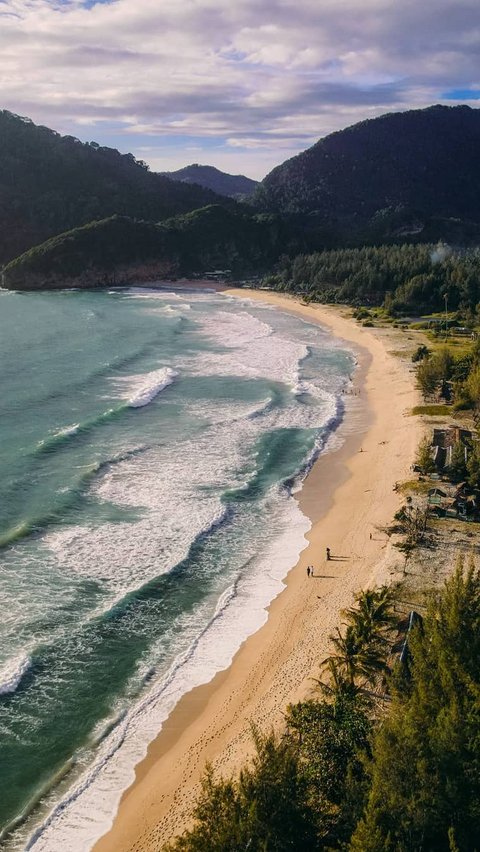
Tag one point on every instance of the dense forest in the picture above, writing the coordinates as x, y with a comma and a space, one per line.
404, 279
408, 177
411, 175
395, 769
119, 250
51, 183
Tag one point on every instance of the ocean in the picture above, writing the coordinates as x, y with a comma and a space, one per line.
151, 446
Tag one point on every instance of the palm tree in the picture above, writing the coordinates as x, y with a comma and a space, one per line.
354, 658
373, 616
338, 684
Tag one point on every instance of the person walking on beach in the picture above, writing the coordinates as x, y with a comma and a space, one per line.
308, 571
328, 554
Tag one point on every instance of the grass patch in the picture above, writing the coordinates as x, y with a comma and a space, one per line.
437, 410
415, 486
401, 353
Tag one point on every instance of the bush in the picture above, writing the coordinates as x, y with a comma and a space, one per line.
420, 353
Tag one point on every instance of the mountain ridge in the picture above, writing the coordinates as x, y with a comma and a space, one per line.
383, 177
233, 186
51, 183
120, 250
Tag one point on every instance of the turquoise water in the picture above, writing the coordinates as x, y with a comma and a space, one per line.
149, 446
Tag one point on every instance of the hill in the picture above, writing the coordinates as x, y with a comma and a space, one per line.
235, 186
121, 250
404, 176
51, 183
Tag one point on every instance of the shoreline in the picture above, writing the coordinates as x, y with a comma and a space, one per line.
274, 666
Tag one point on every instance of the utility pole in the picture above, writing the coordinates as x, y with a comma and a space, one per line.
446, 315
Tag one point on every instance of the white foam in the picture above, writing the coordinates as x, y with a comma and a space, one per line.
87, 812
251, 349
12, 673
68, 430
151, 385
167, 486
179, 492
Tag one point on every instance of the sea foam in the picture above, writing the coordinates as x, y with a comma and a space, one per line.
12, 673
151, 385
180, 495
87, 811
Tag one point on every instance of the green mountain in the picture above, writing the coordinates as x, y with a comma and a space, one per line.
51, 183
121, 250
235, 186
404, 176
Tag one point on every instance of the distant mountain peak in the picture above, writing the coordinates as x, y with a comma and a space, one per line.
209, 177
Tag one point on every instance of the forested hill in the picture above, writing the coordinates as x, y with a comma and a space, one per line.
51, 183
388, 178
236, 186
120, 250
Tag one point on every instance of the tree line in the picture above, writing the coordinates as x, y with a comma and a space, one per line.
385, 759
402, 278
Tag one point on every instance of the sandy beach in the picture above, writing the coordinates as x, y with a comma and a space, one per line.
349, 495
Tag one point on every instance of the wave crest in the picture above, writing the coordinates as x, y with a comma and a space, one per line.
152, 385
12, 673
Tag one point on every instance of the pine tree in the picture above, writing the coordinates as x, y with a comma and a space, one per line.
425, 773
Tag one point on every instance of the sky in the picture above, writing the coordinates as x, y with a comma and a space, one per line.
239, 84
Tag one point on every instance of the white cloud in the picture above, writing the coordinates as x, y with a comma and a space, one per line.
278, 73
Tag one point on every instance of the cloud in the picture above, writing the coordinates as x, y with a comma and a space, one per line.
263, 79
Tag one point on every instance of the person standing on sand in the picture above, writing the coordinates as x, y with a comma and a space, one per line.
308, 571
328, 554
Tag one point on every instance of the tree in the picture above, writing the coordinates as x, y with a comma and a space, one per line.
458, 463
373, 616
265, 810
472, 386
358, 660
428, 377
423, 456
331, 738
425, 769
473, 465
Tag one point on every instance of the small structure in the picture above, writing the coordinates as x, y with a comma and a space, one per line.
217, 275
435, 496
443, 442
459, 501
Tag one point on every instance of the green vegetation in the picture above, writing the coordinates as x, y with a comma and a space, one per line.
420, 353
432, 410
425, 770
119, 249
348, 775
401, 278
329, 197
51, 183
455, 378
374, 183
